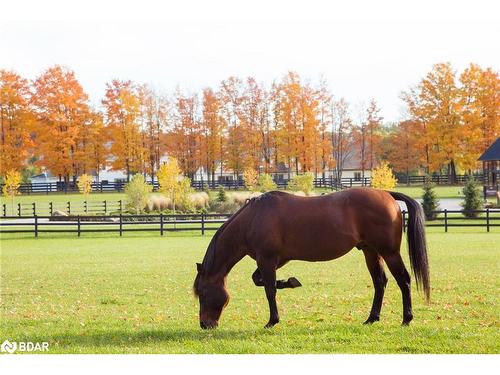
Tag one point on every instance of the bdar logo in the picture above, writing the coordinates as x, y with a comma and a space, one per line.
9, 347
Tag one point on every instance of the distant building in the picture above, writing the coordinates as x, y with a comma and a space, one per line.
491, 168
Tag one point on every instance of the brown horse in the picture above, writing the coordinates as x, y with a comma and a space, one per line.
278, 227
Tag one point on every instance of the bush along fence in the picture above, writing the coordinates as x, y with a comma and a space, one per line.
103, 207
161, 223
236, 184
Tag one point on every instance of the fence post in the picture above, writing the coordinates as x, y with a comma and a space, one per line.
78, 221
4, 208
121, 207
19, 209
34, 208
161, 223
36, 226
121, 225
51, 208
85, 205
105, 207
487, 219
202, 224
404, 221
445, 220
69, 207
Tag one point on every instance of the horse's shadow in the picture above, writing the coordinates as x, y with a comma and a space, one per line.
121, 338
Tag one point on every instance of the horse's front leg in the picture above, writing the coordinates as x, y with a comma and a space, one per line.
267, 268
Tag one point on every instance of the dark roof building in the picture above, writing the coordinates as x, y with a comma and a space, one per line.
491, 168
492, 153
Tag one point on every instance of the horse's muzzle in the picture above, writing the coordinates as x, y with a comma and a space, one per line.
208, 325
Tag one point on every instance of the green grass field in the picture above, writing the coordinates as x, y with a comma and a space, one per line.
105, 294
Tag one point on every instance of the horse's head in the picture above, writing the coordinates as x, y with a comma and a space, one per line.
213, 297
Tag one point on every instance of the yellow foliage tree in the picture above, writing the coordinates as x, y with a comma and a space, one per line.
85, 184
250, 176
173, 185
383, 178
11, 186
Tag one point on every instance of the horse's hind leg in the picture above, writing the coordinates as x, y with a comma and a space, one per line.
398, 270
376, 267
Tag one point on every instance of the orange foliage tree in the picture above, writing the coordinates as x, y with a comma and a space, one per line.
62, 111
16, 121
122, 106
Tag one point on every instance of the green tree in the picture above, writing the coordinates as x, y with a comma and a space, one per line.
429, 200
304, 183
221, 195
137, 191
266, 183
472, 198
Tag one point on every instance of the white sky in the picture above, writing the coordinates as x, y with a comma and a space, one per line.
365, 49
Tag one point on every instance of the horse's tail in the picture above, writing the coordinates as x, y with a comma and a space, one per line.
417, 245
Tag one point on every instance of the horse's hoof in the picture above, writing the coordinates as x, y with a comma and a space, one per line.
407, 320
293, 282
372, 320
270, 325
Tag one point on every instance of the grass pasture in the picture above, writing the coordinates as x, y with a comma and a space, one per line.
105, 294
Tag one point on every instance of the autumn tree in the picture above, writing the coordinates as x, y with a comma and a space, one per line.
383, 178
122, 106
323, 146
16, 121
295, 109
480, 112
436, 102
154, 110
85, 184
236, 151
403, 147
62, 109
184, 136
212, 133
175, 186
342, 136
254, 118
11, 186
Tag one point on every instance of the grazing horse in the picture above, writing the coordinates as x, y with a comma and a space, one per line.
278, 227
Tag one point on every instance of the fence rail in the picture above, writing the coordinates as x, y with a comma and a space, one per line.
114, 223
103, 207
162, 224
236, 184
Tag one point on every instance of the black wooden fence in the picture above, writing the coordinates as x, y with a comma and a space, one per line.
162, 224
236, 184
103, 207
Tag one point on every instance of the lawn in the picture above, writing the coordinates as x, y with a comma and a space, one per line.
441, 191
105, 294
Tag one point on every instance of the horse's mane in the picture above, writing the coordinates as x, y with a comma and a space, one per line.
209, 258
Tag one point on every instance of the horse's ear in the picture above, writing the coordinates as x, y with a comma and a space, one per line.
199, 268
